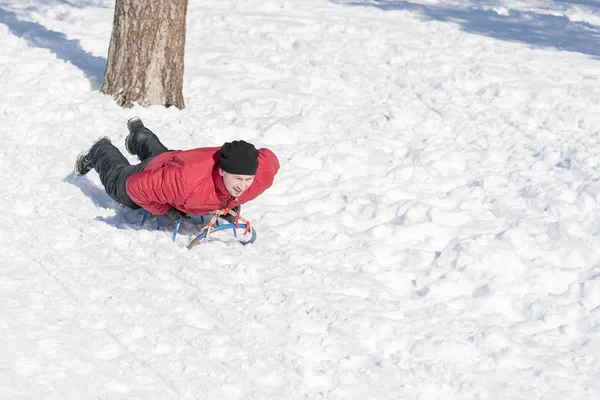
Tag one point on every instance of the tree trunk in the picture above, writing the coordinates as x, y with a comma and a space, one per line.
145, 57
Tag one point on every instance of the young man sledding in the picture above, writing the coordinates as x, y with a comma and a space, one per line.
199, 181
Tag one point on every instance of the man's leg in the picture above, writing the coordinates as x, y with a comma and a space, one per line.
114, 169
142, 142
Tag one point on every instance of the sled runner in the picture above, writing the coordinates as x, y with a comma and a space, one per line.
198, 239
213, 225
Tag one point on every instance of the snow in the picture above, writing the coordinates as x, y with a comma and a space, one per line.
433, 231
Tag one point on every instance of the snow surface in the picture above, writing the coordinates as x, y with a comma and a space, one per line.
432, 234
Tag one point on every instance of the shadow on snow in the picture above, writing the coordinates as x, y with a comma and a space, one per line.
78, 3
588, 3
125, 218
543, 30
65, 49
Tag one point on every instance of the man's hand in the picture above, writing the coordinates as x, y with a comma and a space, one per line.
229, 217
174, 213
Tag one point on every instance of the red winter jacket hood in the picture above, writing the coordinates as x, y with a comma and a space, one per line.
189, 180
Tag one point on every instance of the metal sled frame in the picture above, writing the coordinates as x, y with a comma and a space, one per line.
217, 227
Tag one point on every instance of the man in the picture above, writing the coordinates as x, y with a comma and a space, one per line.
179, 182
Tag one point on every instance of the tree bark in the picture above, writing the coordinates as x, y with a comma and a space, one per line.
145, 57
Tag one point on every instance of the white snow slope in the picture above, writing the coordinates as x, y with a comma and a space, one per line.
433, 232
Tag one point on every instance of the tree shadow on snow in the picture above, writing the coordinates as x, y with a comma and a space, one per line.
65, 49
587, 3
543, 30
78, 3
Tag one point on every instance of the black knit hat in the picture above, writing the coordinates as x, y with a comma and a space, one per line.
239, 157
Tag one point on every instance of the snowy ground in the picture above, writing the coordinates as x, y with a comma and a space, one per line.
433, 232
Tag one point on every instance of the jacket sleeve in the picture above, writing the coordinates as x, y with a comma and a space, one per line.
268, 166
157, 190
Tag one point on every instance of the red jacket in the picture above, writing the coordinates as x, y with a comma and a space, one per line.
189, 181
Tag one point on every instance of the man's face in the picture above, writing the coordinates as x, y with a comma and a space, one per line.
236, 184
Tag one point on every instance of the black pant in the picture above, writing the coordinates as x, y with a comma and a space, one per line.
114, 169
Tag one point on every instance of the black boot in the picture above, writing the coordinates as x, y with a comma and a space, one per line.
134, 125
83, 164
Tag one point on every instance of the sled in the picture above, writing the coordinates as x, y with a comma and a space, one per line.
201, 236
248, 230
